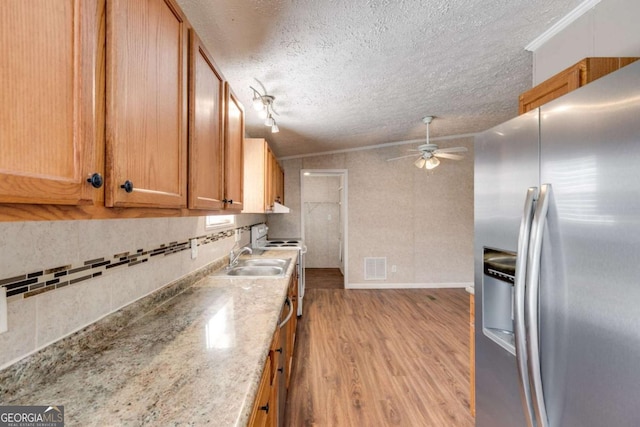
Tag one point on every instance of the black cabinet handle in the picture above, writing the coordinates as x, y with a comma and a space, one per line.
95, 180
279, 350
230, 201
265, 408
128, 186
280, 370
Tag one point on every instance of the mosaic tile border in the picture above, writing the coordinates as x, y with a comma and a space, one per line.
48, 279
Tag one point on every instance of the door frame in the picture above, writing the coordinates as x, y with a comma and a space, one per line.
344, 211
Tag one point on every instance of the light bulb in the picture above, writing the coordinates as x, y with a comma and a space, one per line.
274, 127
258, 104
420, 162
263, 114
432, 163
269, 121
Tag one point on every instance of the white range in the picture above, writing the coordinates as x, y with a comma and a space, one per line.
259, 240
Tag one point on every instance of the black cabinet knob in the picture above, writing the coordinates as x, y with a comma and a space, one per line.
95, 180
128, 186
279, 350
265, 408
280, 370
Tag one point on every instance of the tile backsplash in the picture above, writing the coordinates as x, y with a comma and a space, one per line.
65, 275
47, 279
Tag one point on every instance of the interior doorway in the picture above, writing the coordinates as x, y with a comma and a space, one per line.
323, 194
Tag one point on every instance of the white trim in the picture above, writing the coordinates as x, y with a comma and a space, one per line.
373, 147
563, 23
379, 285
344, 173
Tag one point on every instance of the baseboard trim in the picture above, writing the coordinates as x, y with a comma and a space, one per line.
378, 285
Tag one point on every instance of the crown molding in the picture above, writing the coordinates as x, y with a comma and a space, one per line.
563, 23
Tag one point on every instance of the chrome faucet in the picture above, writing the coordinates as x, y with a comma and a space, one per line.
233, 257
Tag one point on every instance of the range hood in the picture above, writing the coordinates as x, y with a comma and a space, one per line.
278, 208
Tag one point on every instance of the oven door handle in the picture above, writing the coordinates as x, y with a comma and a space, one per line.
286, 319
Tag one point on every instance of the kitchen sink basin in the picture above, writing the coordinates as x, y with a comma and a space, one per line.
257, 267
255, 271
264, 262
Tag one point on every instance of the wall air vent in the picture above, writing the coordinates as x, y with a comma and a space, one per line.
375, 268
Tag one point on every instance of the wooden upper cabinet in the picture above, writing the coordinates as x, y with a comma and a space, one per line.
263, 177
206, 129
572, 78
279, 187
48, 114
233, 151
146, 123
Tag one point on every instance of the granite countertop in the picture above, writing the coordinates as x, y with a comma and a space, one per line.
193, 359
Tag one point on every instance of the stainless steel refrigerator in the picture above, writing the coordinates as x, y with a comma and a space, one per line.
557, 261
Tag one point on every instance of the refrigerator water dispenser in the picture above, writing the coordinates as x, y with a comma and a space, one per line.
497, 297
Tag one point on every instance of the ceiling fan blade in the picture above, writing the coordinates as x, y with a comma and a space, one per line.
403, 157
452, 150
448, 156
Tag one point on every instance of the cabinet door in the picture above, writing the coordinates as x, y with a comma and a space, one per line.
146, 104
292, 325
233, 142
269, 190
263, 405
279, 184
206, 120
49, 83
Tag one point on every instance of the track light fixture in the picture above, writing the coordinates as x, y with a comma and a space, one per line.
264, 105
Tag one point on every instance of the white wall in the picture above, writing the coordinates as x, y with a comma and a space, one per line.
422, 222
608, 29
27, 247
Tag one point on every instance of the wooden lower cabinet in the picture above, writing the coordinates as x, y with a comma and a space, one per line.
268, 408
292, 325
263, 408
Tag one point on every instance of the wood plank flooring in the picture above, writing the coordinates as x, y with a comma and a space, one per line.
323, 278
382, 358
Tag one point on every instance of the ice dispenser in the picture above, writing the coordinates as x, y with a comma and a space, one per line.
497, 297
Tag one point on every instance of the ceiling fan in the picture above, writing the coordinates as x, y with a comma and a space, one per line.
428, 154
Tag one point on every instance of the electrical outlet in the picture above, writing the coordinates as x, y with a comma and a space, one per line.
3, 310
238, 235
194, 248
329, 217
394, 269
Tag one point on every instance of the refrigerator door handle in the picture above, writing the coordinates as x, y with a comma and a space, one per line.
519, 304
531, 307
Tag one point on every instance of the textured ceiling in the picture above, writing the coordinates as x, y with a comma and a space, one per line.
354, 73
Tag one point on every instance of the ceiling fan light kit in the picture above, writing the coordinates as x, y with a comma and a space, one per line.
263, 104
429, 154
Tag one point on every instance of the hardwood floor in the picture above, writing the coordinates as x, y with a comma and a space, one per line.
323, 278
382, 358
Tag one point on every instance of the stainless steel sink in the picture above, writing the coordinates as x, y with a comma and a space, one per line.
255, 271
266, 262
257, 267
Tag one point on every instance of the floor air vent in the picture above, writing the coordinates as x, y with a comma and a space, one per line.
375, 268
